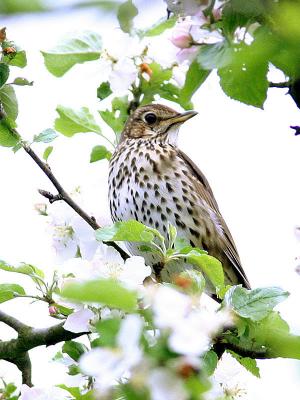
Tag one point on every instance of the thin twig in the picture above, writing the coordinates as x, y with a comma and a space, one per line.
279, 85
64, 196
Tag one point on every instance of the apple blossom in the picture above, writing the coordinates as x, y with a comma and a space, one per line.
79, 321
107, 263
166, 385
108, 365
36, 393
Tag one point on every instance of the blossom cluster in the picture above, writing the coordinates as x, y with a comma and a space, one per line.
158, 348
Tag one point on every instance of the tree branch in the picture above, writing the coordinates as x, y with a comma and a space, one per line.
63, 195
14, 323
16, 350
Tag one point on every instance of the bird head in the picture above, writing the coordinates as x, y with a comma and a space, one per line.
155, 121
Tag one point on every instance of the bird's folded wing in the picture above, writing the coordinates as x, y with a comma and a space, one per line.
207, 195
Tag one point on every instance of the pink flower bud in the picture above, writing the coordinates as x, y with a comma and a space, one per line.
182, 39
52, 310
41, 208
217, 13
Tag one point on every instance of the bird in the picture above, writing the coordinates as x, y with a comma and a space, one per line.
154, 182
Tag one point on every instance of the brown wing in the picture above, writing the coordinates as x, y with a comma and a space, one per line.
207, 195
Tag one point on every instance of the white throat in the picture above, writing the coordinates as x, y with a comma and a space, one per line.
172, 135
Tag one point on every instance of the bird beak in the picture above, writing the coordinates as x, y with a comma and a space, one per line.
181, 118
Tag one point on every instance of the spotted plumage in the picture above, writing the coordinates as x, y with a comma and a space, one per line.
153, 181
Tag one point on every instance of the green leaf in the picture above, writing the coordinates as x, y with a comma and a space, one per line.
210, 361
108, 330
7, 137
195, 76
46, 136
211, 267
245, 78
22, 82
216, 55
21, 6
107, 292
74, 349
126, 12
272, 333
70, 121
76, 49
117, 117
76, 393
9, 101
100, 153
17, 59
26, 269
160, 27
247, 362
129, 231
47, 152
104, 90
254, 304
4, 73
8, 290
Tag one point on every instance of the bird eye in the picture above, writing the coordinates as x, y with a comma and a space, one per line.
150, 118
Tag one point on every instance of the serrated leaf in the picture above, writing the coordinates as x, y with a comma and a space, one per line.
47, 152
117, 117
160, 27
195, 76
76, 49
107, 292
74, 349
210, 361
129, 231
126, 12
7, 291
9, 101
4, 73
216, 55
247, 362
255, 304
72, 121
210, 266
245, 77
100, 153
22, 82
17, 59
104, 90
46, 136
26, 269
7, 137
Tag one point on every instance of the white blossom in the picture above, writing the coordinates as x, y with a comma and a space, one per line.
79, 321
36, 393
107, 263
166, 385
70, 233
190, 325
108, 365
123, 74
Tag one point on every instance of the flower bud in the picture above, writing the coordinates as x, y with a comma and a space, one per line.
217, 13
144, 67
182, 39
52, 310
41, 208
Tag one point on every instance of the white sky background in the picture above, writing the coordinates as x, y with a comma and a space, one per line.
250, 157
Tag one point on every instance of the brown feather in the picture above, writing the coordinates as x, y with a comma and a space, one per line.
207, 195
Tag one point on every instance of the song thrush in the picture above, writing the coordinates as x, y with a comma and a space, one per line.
152, 181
